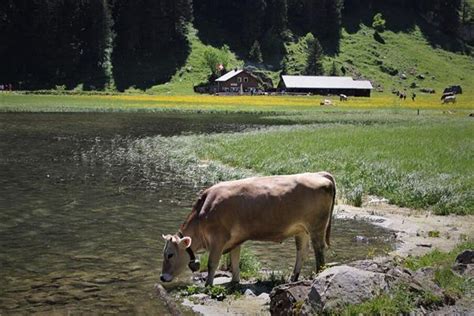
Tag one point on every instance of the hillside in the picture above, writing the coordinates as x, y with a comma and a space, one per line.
409, 54
162, 46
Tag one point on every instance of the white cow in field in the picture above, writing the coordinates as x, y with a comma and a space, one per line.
449, 99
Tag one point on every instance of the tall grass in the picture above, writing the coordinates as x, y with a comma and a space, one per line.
421, 165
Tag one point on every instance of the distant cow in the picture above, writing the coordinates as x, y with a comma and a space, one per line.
342, 97
261, 208
447, 94
449, 99
326, 102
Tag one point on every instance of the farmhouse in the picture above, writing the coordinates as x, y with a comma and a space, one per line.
237, 81
324, 85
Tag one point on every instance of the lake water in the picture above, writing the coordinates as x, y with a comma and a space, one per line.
82, 234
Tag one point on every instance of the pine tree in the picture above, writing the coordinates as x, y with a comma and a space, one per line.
314, 65
255, 53
449, 15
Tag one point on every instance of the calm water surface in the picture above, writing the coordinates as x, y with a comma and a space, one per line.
79, 235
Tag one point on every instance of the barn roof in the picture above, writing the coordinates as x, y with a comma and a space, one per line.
229, 75
325, 82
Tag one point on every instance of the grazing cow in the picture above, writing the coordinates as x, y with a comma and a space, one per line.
447, 94
262, 208
342, 97
325, 102
449, 99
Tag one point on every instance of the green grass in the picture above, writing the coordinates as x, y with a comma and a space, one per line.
420, 161
410, 53
437, 257
249, 264
399, 301
423, 163
193, 72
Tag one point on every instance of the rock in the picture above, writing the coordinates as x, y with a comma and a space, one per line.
285, 299
264, 296
465, 257
199, 298
361, 239
222, 280
248, 292
342, 285
464, 269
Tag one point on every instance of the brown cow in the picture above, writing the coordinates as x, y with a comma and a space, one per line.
261, 208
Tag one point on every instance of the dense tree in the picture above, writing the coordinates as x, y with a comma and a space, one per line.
314, 64
255, 53
53, 42
100, 44
320, 17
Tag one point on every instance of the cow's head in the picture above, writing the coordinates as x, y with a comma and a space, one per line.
175, 257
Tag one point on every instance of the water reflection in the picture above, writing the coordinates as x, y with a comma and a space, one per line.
83, 235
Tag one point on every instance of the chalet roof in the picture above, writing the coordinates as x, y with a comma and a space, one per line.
229, 75
325, 82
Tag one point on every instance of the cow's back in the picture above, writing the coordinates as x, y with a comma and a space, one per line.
267, 208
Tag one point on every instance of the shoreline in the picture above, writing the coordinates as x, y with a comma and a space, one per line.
412, 230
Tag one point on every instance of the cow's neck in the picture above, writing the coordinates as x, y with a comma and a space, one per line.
192, 231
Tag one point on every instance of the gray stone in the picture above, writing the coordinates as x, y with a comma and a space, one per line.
222, 280
264, 296
338, 286
287, 299
248, 292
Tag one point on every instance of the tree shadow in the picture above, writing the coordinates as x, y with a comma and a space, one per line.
144, 70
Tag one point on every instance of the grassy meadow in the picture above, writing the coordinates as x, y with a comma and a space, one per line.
19, 102
374, 146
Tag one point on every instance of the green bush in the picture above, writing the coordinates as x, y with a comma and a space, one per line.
379, 23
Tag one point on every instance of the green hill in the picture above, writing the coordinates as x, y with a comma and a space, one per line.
397, 60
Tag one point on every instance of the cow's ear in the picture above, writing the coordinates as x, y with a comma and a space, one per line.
167, 237
185, 242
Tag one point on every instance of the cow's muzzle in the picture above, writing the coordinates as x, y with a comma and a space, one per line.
166, 277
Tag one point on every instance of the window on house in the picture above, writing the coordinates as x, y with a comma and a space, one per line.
239, 79
246, 79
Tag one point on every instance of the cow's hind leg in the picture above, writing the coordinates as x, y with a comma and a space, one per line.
302, 244
234, 264
318, 243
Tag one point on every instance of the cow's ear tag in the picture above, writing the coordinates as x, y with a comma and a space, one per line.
185, 242
194, 265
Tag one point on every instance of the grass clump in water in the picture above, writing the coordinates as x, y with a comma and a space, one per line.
249, 264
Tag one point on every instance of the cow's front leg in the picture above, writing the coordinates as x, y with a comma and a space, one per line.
212, 264
302, 245
234, 264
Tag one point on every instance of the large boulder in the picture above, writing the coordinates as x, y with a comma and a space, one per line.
342, 285
287, 299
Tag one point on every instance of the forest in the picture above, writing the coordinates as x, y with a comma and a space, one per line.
115, 44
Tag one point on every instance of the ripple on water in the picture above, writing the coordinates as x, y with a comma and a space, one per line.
85, 236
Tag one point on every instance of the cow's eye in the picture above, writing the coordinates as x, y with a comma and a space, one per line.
170, 256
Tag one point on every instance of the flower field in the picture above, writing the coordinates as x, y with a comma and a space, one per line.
124, 102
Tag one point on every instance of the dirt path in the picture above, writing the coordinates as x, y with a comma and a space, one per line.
413, 227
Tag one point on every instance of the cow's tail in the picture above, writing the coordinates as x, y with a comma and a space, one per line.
328, 228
